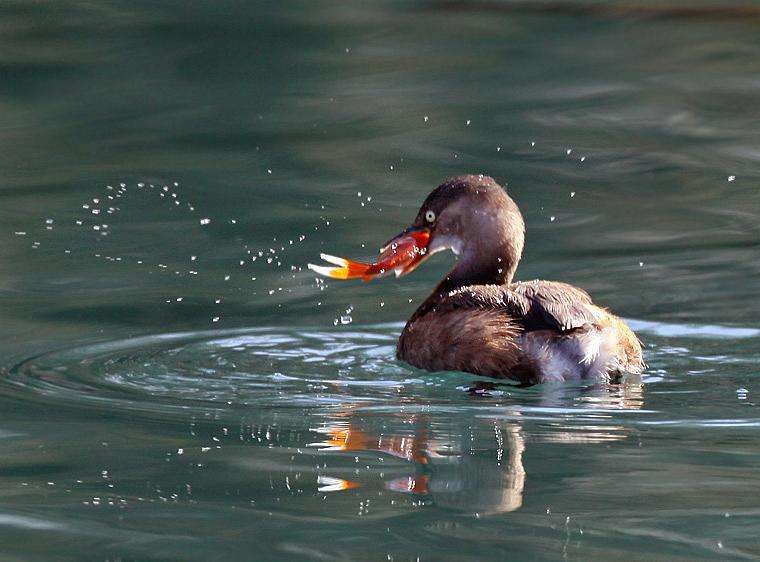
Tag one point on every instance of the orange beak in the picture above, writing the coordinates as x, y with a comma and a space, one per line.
401, 255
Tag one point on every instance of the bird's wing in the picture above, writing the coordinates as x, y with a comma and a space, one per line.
532, 305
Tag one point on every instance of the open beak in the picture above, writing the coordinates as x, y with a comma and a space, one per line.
401, 255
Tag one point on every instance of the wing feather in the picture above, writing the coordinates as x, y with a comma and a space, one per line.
533, 305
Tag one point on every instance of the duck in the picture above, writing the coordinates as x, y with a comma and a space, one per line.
479, 319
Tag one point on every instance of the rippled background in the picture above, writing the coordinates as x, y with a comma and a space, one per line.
175, 384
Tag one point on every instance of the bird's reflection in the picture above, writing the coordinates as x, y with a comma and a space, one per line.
454, 469
475, 464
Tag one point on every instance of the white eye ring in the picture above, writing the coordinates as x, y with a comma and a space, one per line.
430, 216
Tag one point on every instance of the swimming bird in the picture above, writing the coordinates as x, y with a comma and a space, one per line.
479, 319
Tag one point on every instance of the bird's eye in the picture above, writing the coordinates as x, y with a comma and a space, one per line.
430, 216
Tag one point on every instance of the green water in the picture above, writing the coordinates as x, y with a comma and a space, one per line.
140, 419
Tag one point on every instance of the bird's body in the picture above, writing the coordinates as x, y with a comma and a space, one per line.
479, 320
533, 332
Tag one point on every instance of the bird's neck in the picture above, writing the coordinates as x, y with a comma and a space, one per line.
481, 265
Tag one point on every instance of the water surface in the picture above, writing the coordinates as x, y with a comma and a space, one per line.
175, 383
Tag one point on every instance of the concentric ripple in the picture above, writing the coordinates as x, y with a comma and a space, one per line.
307, 368
210, 369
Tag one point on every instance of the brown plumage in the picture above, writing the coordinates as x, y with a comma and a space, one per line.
479, 321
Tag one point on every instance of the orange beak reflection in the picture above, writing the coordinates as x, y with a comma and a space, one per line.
330, 484
401, 255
